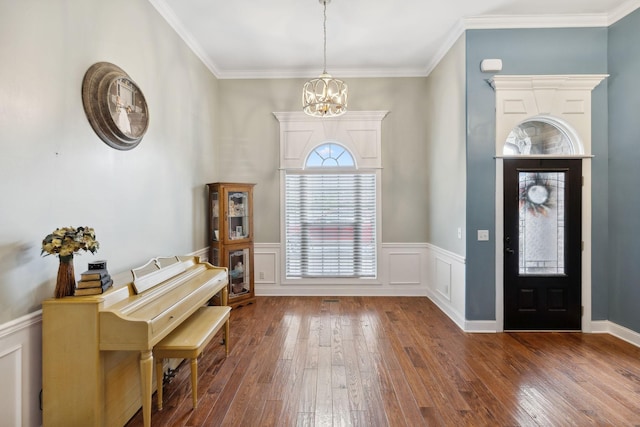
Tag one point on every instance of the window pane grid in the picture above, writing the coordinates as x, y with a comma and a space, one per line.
330, 225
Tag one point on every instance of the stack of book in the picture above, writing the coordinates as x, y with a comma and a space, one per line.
94, 281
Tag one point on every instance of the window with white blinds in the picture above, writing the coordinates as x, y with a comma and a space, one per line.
330, 222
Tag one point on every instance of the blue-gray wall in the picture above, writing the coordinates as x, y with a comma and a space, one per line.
530, 51
624, 177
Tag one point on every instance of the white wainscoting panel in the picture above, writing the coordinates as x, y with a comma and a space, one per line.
404, 268
21, 370
266, 259
443, 277
11, 390
401, 267
446, 282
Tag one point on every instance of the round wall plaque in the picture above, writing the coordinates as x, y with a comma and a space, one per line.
115, 106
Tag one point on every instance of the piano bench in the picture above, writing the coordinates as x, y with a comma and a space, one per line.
188, 340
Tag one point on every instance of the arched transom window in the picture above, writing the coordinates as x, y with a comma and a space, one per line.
329, 155
542, 135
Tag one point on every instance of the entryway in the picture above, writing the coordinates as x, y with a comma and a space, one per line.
542, 244
544, 118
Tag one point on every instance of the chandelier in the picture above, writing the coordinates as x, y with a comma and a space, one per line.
324, 96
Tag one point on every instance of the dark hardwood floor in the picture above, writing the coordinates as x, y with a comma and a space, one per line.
374, 361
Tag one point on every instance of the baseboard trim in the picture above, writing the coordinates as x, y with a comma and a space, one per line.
480, 326
600, 326
351, 291
447, 309
608, 327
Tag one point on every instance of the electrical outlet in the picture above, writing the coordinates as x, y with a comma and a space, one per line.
261, 275
459, 232
483, 235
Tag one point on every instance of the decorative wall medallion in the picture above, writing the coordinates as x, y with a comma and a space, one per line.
115, 106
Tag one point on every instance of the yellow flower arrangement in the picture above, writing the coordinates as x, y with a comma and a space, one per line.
67, 241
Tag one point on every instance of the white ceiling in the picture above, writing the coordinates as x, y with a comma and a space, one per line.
365, 38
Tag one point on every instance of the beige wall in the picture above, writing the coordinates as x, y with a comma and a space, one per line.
249, 147
56, 172
150, 201
446, 157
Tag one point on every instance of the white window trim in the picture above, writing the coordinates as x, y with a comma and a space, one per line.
359, 132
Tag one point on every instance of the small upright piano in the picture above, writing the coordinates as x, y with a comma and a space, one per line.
97, 350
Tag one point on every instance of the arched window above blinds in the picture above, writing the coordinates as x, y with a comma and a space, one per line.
330, 155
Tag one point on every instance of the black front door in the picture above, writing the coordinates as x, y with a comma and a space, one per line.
543, 244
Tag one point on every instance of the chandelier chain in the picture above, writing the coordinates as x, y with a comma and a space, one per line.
324, 27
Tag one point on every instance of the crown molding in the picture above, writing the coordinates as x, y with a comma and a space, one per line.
623, 10
492, 22
340, 73
450, 39
167, 14
470, 23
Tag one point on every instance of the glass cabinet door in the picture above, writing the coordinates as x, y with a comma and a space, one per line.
215, 216
238, 215
239, 272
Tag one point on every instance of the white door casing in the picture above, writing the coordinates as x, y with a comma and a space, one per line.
565, 100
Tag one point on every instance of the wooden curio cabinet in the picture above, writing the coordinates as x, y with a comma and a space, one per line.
231, 237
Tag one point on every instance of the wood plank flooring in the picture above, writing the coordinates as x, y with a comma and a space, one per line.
374, 361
